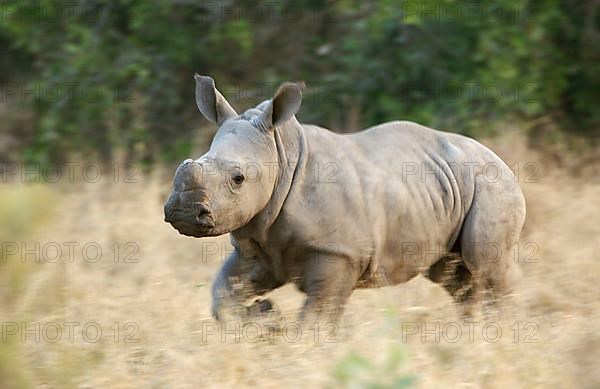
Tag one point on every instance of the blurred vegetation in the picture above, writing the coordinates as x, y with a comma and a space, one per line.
356, 371
23, 209
129, 65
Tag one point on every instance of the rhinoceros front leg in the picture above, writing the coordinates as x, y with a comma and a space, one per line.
238, 281
328, 283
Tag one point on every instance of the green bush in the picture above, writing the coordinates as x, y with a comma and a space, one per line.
370, 61
356, 371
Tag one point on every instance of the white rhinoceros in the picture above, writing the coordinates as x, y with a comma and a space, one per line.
331, 212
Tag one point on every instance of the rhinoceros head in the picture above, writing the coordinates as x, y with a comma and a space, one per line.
225, 188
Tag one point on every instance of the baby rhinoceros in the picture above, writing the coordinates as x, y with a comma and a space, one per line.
331, 213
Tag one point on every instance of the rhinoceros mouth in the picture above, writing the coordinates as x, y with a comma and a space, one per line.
193, 229
196, 224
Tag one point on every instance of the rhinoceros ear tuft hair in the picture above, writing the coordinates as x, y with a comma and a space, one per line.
284, 105
211, 102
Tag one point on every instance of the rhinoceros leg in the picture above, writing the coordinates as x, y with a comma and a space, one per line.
238, 281
451, 272
489, 234
328, 283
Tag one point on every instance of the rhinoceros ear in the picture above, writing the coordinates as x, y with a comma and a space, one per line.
284, 105
211, 102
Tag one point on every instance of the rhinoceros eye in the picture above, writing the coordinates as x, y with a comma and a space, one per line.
238, 179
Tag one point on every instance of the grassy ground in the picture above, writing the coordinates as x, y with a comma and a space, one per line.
152, 302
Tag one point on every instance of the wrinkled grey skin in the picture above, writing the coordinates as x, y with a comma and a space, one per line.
331, 213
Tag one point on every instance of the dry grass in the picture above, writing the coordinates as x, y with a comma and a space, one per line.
166, 296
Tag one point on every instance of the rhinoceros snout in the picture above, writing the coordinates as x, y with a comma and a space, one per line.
170, 216
170, 207
196, 220
189, 176
205, 219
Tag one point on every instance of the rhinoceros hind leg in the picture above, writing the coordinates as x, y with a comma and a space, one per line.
489, 234
451, 272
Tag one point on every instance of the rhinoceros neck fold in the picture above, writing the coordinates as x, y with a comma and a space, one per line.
292, 154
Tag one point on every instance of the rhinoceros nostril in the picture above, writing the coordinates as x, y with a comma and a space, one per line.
204, 219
